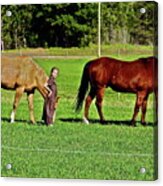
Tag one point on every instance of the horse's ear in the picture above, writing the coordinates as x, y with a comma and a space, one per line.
58, 97
56, 102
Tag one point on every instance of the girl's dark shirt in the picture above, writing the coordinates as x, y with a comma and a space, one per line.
49, 104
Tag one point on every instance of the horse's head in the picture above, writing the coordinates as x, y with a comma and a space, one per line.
56, 102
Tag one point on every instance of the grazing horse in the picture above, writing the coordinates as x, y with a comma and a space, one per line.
22, 75
138, 77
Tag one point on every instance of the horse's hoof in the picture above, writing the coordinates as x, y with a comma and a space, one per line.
33, 122
144, 124
132, 123
85, 120
103, 122
50, 125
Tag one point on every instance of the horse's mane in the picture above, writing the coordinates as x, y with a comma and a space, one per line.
37, 67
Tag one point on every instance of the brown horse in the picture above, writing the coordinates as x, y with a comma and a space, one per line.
138, 77
23, 75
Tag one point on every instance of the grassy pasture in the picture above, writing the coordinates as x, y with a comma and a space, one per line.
71, 149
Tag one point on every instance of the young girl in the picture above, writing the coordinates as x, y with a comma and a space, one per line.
49, 104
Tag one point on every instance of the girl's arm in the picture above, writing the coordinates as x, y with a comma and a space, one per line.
48, 89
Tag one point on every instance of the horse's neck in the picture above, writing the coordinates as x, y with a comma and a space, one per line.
43, 91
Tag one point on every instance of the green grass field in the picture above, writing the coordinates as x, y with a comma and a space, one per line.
71, 149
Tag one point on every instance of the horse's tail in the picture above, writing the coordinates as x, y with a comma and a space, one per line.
82, 89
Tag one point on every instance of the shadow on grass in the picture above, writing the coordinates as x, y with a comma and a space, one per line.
16, 120
107, 122
77, 120
22, 121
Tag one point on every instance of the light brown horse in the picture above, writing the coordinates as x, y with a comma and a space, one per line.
23, 75
138, 77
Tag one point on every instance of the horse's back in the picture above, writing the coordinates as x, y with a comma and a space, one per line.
122, 75
136, 76
17, 71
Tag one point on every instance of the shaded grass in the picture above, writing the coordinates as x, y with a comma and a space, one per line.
70, 149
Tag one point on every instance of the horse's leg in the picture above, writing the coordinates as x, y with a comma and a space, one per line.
99, 99
156, 106
18, 95
144, 108
30, 104
54, 116
140, 97
88, 102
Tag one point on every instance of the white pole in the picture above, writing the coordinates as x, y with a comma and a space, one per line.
99, 29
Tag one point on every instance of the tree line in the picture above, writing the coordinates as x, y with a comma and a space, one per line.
76, 24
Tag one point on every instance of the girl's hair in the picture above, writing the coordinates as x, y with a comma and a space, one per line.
54, 68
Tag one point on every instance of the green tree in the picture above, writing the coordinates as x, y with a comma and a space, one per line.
75, 24
16, 28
